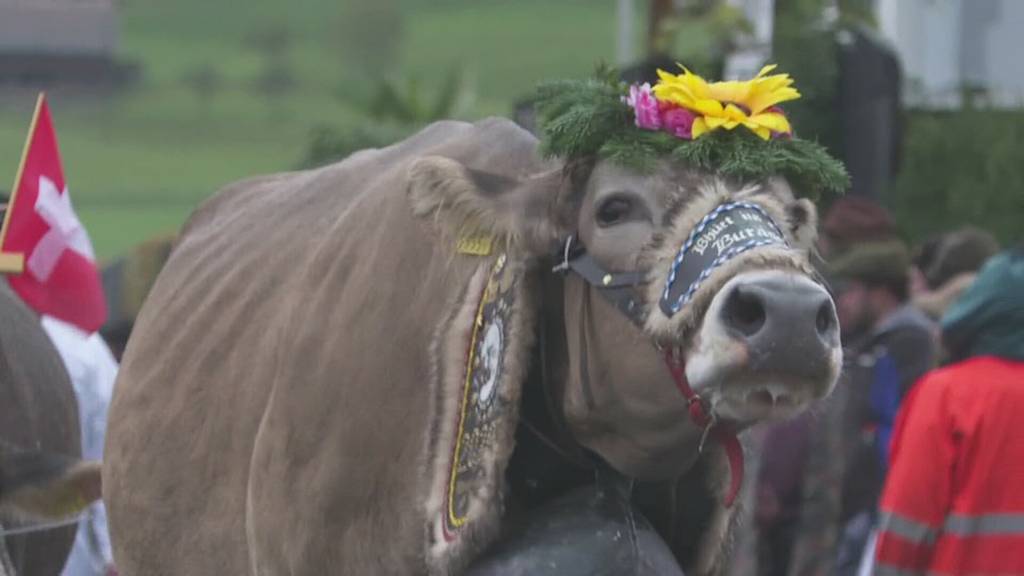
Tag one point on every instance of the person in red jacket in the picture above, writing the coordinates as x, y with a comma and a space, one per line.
953, 502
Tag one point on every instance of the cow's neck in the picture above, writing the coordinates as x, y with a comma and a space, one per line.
555, 325
547, 461
553, 366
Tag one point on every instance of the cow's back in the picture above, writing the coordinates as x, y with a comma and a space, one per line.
287, 333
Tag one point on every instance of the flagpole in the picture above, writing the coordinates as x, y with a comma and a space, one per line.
12, 263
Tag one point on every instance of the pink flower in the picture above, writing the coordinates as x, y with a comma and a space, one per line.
645, 106
777, 110
678, 121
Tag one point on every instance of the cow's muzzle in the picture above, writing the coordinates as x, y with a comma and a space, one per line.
769, 346
787, 322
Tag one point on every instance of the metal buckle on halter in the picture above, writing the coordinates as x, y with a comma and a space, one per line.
616, 287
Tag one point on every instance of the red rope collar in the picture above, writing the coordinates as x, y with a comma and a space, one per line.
722, 432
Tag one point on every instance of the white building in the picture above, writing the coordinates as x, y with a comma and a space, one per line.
58, 27
947, 46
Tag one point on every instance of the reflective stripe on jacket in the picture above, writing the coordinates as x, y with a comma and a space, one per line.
954, 499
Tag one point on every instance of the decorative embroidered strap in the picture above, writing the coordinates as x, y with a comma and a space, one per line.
486, 410
727, 231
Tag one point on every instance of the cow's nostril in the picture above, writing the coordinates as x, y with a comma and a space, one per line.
826, 318
745, 312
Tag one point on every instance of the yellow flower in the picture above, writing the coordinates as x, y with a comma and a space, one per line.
730, 104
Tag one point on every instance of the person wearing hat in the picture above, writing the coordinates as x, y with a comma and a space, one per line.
945, 266
853, 220
952, 503
871, 282
888, 345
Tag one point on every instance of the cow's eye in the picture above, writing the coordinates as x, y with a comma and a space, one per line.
614, 210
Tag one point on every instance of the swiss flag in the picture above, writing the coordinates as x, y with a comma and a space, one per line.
43, 246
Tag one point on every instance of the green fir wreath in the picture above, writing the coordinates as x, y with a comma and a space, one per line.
687, 119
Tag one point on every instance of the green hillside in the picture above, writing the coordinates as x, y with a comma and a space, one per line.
138, 162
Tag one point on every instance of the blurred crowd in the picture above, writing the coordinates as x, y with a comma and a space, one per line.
911, 466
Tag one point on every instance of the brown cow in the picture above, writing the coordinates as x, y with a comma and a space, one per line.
327, 375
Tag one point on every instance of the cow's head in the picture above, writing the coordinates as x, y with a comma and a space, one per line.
758, 335
756, 331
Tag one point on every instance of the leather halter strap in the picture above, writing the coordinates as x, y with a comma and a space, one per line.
620, 288
724, 433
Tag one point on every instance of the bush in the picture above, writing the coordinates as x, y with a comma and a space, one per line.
395, 110
328, 144
964, 167
405, 101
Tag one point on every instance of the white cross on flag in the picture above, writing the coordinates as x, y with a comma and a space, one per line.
43, 246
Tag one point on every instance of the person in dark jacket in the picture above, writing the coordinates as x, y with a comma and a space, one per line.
952, 502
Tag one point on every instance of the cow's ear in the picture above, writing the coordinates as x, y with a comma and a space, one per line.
47, 485
528, 212
802, 219
801, 216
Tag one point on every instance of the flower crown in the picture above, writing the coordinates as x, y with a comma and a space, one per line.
732, 128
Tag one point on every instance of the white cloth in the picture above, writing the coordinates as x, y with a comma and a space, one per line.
92, 369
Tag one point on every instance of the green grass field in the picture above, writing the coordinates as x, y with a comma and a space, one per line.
138, 162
